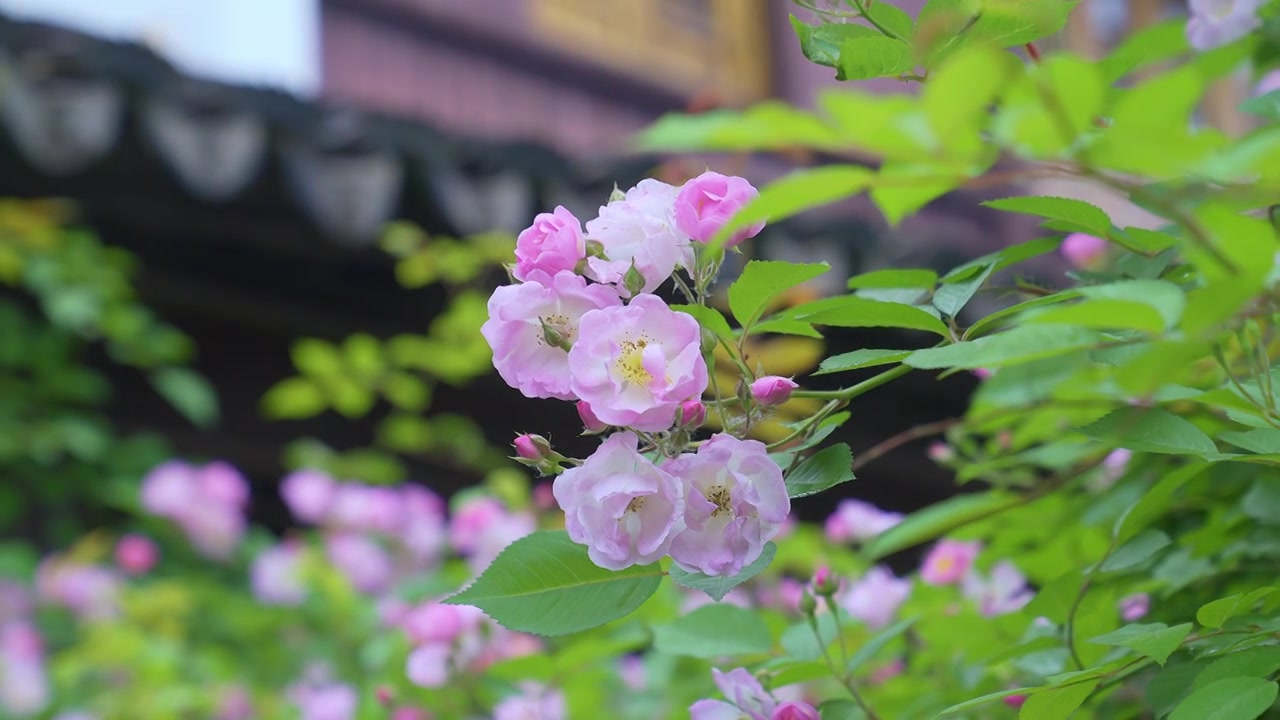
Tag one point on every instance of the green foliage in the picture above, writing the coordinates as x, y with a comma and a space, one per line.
821, 471
717, 586
545, 584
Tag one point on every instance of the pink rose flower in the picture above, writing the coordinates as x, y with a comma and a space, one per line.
435, 622
620, 505
1015, 701
1083, 250
553, 243
331, 702
1214, 23
530, 326
636, 364
169, 489
1135, 607
364, 508
639, 232
745, 696
948, 562
795, 710
136, 554
472, 519
423, 532
366, 565
772, 390
308, 494
88, 591
590, 422
533, 703
1004, 592
276, 575
875, 597
735, 502
708, 202
858, 521
428, 665
215, 531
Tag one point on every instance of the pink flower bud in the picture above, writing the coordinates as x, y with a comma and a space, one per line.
982, 373
527, 447
384, 695
543, 498
1015, 701
941, 452
795, 710
1083, 250
692, 414
589, 419
772, 390
136, 554
824, 583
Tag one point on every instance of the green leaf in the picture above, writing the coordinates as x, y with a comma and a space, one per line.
708, 317
1260, 440
960, 92
1057, 703
1017, 345
406, 391
1238, 698
546, 584
1002, 259
1267, 105
892, 18
316, 357
952, 296
293, 399
938, 520
864, 58
1150, 430
821, 43
801, 190
1169, 686
877, 643
983, 700
1100, 314
1151, 44
904, 187
854, 311
1257, 662
840, 710
1136, 551
784, 326
1262, 502
717, 586
189, 393
763, 280
714, 631
1077, 215
859, 359
1218, 612
826, 469
894, 278
1164, 297
1156, 640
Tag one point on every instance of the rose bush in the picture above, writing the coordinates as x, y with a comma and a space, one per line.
1115, 555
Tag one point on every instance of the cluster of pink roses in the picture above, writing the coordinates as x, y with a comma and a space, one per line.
207, 502
582, 325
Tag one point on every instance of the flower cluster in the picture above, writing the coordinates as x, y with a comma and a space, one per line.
583, 325
207, 502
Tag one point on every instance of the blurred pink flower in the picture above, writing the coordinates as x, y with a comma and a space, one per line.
875, 597
328, 702
221, 483
15, 600
1135, 607
795, 710
1214, 23
215, 531
276, 575
948, 561
1005, 591
497, 537
435, 622
472, 518
1083, 250
428, 665
887, 671
364, 562
858, 521
745, 696
136, 554
632, 671
308, 494
234, 703
89, 591
1268, 83
534, 702
24, 684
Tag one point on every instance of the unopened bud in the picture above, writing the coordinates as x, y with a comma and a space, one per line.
941, 452
824, 583
532, 447
590, 422
808, 605
595, 249
617, 195
554, 337
772, 390
692, 414
633, 281
1015, 701
384, 695
795, 710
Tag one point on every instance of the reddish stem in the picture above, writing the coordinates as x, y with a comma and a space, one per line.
1033, 51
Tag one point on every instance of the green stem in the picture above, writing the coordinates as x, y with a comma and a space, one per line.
862, 10
842, 677
861, 388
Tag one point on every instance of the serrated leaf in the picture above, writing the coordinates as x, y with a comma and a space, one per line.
1155, 640
1238, 698
859, 359
713, 631
763, 280
1215, 614
827, 468
546, 584
854, 311
937, 520
864, 58
1150, 430
716, 587
1260, 440
1017, 345
1080, 215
